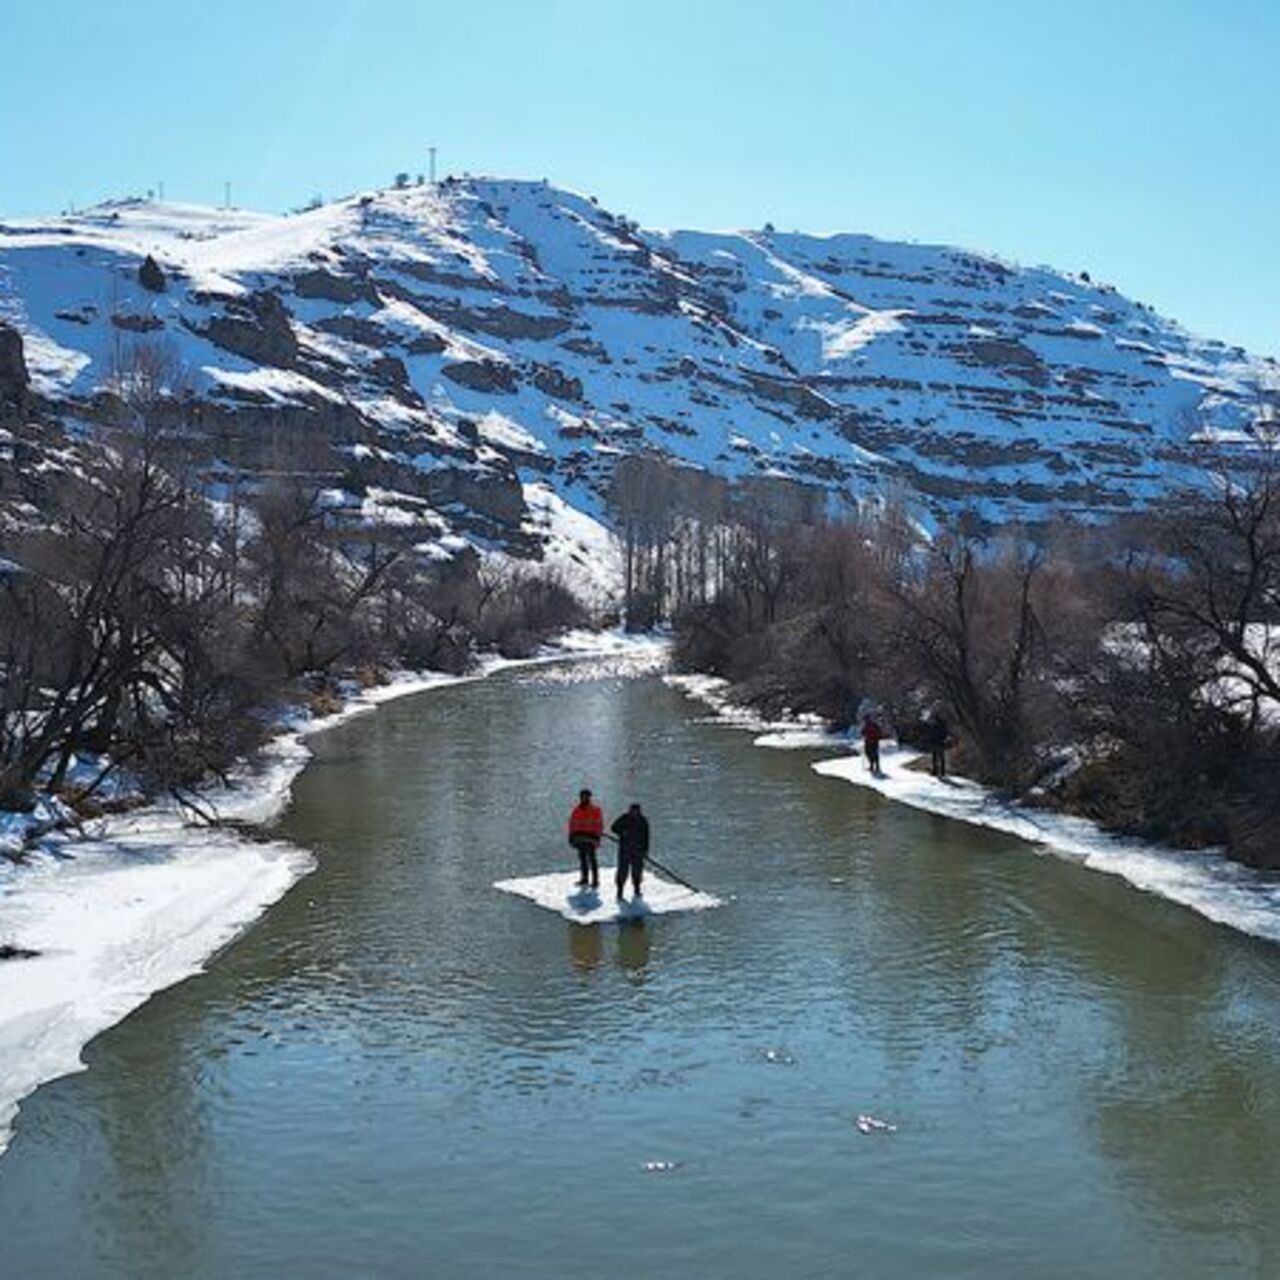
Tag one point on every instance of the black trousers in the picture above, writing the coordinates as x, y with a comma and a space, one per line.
939, 762
630, 863
873, 755
586, 848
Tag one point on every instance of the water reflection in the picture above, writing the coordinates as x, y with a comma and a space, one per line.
586, 946
633, 947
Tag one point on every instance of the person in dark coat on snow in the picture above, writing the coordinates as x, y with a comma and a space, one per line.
632, 830
937, 735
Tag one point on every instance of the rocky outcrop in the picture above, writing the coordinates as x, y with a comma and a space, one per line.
15, 381
1009, 356
258, 328
497, 322
482, 375
333, 287
554, 382
390, 371
132, 322
356, 329
426, 344
806, 402
150, 276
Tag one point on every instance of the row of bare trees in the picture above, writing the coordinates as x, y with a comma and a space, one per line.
1131, 672
149, 628
689, 536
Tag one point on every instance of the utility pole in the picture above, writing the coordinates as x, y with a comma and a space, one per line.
160, 188
431, 167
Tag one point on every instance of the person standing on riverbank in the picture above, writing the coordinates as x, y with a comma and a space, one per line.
586, 829
937, 734
632, 830
871, 735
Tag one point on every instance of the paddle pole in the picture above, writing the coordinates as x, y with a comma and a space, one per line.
657, 866
666, 871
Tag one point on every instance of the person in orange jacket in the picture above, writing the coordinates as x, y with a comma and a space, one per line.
586, 829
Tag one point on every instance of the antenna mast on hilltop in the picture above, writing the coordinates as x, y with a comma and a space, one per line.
431, 164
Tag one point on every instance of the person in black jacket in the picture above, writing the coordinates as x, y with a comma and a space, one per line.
632, 830
937, 733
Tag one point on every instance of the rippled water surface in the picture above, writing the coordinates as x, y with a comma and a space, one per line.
400, 1072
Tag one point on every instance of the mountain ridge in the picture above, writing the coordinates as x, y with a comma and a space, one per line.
451, 352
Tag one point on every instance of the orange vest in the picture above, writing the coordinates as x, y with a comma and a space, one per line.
586, 820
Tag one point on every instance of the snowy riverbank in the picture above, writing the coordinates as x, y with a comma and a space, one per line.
1220, 890
135, 903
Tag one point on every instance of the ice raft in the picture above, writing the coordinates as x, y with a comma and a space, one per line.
559, 891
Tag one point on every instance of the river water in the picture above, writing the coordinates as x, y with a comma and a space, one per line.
401, 1072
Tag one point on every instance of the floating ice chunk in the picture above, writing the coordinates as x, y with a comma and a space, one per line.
779, 1056
661, 1166
872, 1124
559, 891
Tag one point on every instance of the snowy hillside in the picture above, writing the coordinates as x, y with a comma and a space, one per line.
469, 357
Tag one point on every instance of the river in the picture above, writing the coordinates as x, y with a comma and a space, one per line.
400, 1072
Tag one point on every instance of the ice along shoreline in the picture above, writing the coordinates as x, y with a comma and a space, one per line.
1222, 891
147, 899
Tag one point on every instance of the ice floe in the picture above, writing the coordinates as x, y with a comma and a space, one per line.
560, 892
873, 1124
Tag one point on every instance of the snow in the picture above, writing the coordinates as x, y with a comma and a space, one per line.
141, 902
575, 545
281, 386
53, 367
558, 891
500, 430
843, 339
17, 828
802, 738
873, 1124
790, 732
124, 918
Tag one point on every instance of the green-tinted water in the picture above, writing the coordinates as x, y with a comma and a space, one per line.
399, 1072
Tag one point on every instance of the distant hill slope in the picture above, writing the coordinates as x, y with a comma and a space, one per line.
470, 356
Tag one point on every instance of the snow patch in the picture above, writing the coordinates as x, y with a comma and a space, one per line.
498, 429
280, 386
53, 368
559, 891
575, 545
843, 339
125, 918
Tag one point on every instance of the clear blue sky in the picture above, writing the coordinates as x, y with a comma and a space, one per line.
1135, 139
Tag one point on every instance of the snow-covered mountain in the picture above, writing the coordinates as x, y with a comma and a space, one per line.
472, 356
